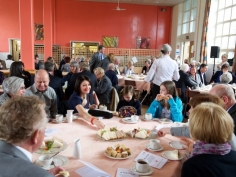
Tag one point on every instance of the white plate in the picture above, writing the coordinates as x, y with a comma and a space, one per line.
167, 155
100, 138
133, 169
146, 119
163, 121
177, 145
117, 158
53, 150
129, 121
148, 147
58, 122
59, 160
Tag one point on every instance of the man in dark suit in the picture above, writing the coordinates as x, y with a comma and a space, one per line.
226, 93
202, 72
97, 58
110, 73
55, 82
24, 121
184, 82
104, 64
83, 71
103, 86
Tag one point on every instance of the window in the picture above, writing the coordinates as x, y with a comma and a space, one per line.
189, 16
225, 26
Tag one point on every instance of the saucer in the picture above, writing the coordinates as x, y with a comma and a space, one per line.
129, 121
57, 122
146, 119
59, 160
148, 147
133, 169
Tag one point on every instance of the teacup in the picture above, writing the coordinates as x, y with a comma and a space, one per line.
148, 116
45, 160
134, 118
153, 134
59, 117
142, 166
154, 144
176, 124
103, 108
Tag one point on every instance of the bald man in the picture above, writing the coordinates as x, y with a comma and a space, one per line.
226, 93
41, 89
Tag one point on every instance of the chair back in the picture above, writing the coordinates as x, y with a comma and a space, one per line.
114, 100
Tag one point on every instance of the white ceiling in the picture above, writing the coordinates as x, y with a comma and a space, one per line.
143, 2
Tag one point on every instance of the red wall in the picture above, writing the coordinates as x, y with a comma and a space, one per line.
9, 23
89, 21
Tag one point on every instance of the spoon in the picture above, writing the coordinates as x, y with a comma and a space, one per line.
53, 155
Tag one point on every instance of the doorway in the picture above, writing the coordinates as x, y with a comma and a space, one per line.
188, 50
15, 49
83, 48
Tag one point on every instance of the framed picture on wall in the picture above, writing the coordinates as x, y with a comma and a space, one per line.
38, 32
145, 43
110, 41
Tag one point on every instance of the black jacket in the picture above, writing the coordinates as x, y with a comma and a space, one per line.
71, 84
103, 90
95, 61
55, 83
184, 82
232, 113
204, 77
104, 64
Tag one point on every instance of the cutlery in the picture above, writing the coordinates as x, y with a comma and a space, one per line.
53, 164
53, 155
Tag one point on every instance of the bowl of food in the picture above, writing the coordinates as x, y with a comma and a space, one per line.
118, 152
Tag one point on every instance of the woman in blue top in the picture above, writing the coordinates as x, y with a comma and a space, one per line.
167, 104
81, 99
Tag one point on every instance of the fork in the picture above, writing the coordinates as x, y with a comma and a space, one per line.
52, 163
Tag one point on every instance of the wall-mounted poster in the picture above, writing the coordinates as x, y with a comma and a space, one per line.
145, 43
38, 31
110, 41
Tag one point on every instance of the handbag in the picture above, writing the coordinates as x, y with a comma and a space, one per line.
98, 113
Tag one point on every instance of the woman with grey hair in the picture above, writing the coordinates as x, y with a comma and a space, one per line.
184, 81
146, 67
226, 78
12, 86
74, 68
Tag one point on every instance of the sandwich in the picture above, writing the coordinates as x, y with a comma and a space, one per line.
64, 173
141, 134
113, 153
108, 151
175, 154
120, 134
118, 155
163, 97
124, 154
43, 145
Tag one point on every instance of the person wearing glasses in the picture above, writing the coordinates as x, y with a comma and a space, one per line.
12, 86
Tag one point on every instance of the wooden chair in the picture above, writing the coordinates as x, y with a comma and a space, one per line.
178, 91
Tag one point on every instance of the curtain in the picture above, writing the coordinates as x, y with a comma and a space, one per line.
203, 54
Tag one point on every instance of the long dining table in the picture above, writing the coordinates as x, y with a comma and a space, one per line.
134, 80
92, 148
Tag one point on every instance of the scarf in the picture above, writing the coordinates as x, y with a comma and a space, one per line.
206, 148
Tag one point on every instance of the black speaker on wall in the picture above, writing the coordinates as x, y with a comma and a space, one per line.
215, 50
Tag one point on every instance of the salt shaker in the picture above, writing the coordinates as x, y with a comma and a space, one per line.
77, 149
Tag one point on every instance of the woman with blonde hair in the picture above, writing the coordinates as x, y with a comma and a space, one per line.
211, 127
129, 68
224, 59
